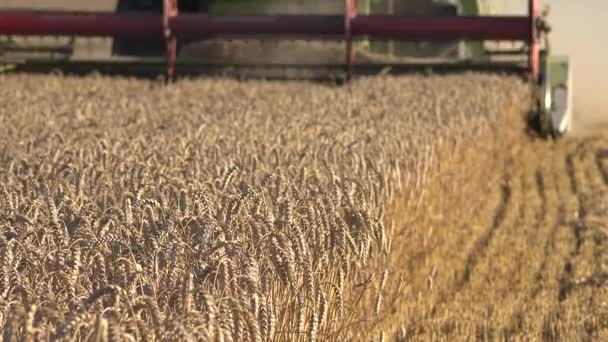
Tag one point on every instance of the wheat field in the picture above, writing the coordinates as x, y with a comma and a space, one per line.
223, 210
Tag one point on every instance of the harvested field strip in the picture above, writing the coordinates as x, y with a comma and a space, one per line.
543, 273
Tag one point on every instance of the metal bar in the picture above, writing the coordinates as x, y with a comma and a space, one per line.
507, 52
150, 67
170, 11
390, 4
38, 48
533, 40
442, 28
350, 12
374, 26
203, 25
318, 26
136, 25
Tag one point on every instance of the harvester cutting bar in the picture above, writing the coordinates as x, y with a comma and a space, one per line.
136, 25
317, 27
327, 26
171, 25
374, 27
446, 28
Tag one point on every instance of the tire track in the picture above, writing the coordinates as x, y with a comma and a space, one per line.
555, 188
540, 190
481, 244
549, 245
480, 214
528, 217
588, 174
565, 282
571, 173
552, 281
584, 276
537, 221
601, 158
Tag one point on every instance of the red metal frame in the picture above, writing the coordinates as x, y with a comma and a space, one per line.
140, 25
172, 25
207, 26
442, 28
170, 11
350, 12
534, 39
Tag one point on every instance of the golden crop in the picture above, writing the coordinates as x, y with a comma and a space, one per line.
217, 209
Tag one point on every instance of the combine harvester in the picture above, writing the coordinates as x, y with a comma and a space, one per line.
455, 25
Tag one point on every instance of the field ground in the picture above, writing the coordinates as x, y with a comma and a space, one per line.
408, 208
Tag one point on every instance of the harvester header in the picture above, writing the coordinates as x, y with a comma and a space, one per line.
170, 25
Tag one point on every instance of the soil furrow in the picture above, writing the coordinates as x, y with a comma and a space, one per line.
540, 189
480, 245
575, 226
601, 159
536, 219
548, 220
571, 173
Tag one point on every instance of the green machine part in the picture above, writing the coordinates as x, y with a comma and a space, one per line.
469, 7
555, 95
473, 50
472, 7
5, 42
254, 7
554, 90
222, 7
304, 7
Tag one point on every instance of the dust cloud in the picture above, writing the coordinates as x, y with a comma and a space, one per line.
578, 28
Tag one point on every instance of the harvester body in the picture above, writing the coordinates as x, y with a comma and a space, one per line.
557, 95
